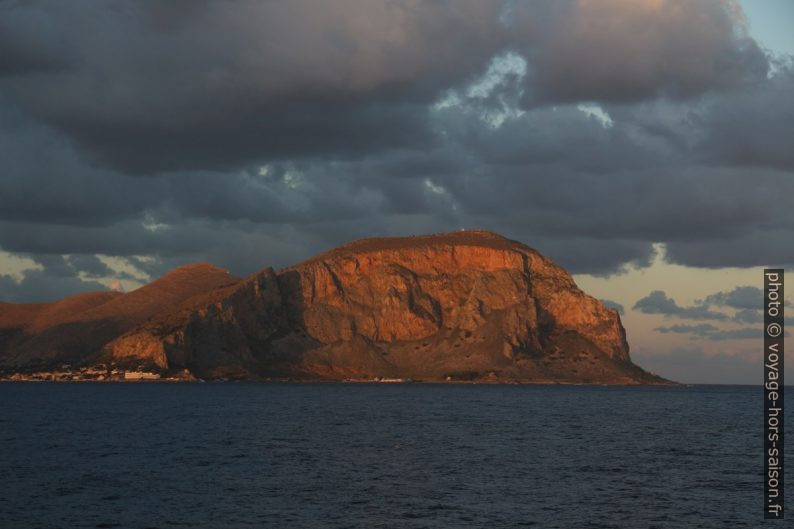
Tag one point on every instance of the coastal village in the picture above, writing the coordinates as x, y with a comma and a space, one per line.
96, 373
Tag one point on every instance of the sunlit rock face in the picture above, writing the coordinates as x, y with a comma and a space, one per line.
460, 306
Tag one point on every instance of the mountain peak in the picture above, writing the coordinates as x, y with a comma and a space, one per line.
195, 268
466, 238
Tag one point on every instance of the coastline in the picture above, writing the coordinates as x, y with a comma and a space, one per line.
189, 378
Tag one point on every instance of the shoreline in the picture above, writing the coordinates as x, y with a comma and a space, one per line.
174, 380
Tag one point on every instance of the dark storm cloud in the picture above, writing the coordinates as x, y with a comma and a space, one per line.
584, 255
552, 169
752, 127
258, 133
758, 247
622, 50
244, 80
657, 302
44, 179
226, 82
30, 41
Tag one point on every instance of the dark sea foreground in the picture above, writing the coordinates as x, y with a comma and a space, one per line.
381, 455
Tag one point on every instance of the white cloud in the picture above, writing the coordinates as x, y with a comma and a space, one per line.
595, 111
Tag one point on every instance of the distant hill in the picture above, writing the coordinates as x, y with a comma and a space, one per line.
462, 306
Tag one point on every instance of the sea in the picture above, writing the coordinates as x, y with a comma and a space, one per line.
306, 455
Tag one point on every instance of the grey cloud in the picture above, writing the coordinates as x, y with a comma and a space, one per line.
54, 268
71, 266
43, 178
145, 131
587, 255
741, 297
746, 299
630, 180
248, 80
38, 286
614, 305
702, 330
590, 221
751, 127
90, 265
227, 83
744, 333
757, 316
619, 50
657, 302
30, 41
749, 316
758, 246
712, 332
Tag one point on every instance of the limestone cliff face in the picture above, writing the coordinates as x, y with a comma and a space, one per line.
459, 306
221, 333
458, 282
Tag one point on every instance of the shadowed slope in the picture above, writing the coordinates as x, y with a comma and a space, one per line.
75, 328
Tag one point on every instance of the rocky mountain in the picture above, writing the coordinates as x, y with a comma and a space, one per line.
459, 306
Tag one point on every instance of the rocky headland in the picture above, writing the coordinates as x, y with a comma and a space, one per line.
463, 306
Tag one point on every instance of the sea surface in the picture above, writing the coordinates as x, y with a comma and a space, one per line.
249, 455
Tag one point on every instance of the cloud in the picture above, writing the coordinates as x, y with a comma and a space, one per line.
239, 81
614, 305
745, 333
37, 286
749, 316
90, 265
24, 47
757, 316
741, 297
657, 302
702, 330
738, 298
622, 50
692, 365
712, 332
747, 300
756, 247
57, 277
259, 133
236, 81
749, 128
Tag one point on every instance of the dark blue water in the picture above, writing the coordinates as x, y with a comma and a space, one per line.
369, 456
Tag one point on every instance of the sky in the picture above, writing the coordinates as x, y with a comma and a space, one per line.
643, 145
